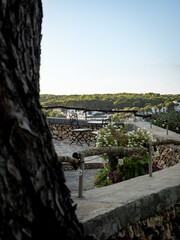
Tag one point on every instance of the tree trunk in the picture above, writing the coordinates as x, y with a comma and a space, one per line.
34, 200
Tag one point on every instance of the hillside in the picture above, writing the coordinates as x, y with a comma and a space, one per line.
112, 101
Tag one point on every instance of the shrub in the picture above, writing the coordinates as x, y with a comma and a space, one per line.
173, 120
102, 178
134, 165
113, 136
110, 135
138, 137
115, 176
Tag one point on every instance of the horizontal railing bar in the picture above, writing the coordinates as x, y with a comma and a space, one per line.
90, 110
162, 142
173, 147
78, 157
112, 149
67, 159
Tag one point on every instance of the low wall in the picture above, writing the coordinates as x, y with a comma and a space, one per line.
166, 156
140, 208
164, 225
61, 127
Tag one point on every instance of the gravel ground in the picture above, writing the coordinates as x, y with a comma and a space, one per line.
72, 179
63, 148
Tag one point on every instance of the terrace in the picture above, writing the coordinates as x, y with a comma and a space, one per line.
108, 211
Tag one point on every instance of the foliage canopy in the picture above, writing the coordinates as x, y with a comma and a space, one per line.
111, 101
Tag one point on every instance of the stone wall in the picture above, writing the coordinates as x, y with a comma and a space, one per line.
167, 156
60, 131
61, 128
163, 226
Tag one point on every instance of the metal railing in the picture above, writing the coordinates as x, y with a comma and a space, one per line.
78, 157
165, 122
136, 113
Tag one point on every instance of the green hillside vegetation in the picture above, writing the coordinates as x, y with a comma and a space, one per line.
120, 101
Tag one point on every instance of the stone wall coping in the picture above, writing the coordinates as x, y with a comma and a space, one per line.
105, 211
82, 122
56, 120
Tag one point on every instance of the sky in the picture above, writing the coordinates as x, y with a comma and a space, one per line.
110, 46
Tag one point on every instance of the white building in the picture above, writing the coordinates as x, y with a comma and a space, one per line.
71, 112
162, 110
177, 107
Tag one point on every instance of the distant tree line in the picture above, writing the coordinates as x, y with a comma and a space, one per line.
120, 101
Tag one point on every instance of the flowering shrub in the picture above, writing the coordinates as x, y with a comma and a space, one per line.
110, 135
133, 165
155, 168
102, 178
129, 166
113, 136
115, 176
138, 137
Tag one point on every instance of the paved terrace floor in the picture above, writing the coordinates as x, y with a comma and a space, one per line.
63, 148
158, 132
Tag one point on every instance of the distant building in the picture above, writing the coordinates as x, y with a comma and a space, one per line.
59, 110
71, 112
162, 110
177, 106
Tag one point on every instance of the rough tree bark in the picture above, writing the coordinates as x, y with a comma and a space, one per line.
34, 200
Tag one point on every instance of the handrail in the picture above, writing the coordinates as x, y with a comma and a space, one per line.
166, 122
78, 157
135, 112
68, 159
162, 142
90, 109
111, 149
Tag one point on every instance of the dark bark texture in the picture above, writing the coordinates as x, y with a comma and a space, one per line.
34, 200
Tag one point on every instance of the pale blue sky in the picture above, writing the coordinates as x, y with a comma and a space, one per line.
110, 46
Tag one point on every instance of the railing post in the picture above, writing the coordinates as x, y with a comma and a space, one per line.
85, 115
150, 158
150, 123
80, 191
166, 128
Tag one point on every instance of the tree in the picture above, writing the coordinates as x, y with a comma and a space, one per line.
34, 202
169, 106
